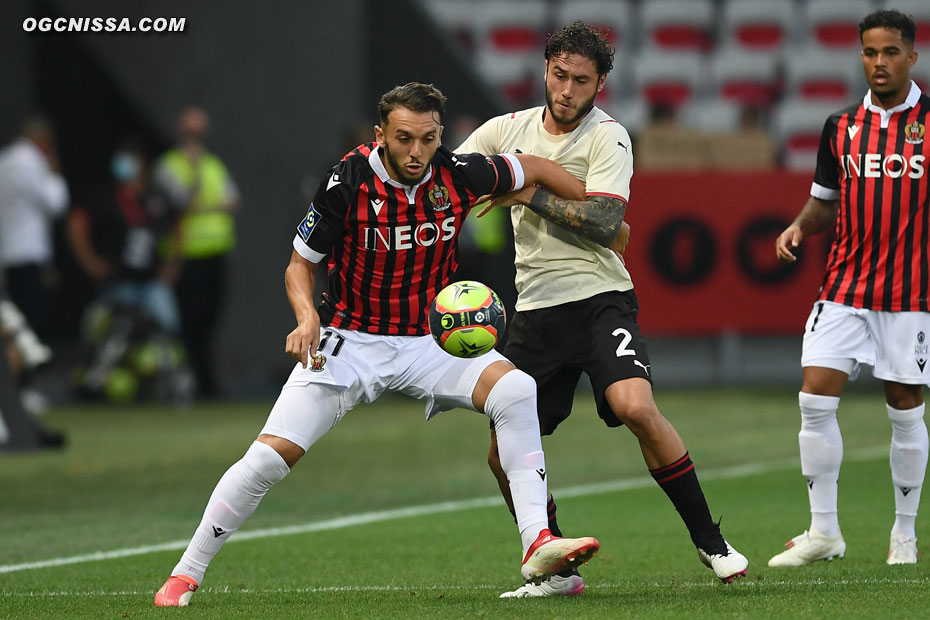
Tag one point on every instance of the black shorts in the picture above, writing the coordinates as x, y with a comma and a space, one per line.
598, 336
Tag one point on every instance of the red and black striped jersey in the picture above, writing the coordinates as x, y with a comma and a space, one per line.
393, 247
875, 162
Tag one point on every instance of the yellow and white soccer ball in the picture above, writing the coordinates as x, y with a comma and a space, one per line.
467, 319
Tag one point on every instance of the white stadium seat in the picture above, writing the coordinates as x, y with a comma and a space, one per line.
712, 115
632, 113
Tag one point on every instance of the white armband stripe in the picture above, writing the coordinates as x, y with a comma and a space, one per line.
824, 193
516, 169
302, 249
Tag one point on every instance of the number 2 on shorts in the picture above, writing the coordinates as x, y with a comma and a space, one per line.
626, 337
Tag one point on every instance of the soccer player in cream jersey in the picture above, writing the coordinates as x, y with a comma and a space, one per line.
576, 310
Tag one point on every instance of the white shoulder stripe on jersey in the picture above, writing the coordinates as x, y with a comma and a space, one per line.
518, 178
306, 252
824, 193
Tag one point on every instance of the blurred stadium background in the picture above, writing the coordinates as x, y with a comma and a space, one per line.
725, 100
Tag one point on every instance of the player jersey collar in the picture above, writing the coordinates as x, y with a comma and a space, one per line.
374, 160
912, 97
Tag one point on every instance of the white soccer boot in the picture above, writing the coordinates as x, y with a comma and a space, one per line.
727, 566
550, 554
556, 585
903, 550
808, 547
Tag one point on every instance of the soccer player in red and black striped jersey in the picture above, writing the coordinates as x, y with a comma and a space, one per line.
871, 186
389, 215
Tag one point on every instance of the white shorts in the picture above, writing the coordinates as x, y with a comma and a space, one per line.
360, 367
895, 344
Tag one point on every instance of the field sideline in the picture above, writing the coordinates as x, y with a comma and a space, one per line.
362, 528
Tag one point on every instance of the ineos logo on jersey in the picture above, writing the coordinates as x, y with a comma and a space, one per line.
407, 237
894, 166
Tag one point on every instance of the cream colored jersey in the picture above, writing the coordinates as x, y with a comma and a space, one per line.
555, 266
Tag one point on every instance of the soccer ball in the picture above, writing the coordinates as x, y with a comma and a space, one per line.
467, 319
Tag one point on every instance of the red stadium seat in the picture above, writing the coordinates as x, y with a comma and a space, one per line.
798, 126
678, 24
744, 76
508, 50
671, 78
920, 11
613, 17
835, 23
816, 73
757, 24
513, 26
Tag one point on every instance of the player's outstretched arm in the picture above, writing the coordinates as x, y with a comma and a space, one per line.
816, 216
546, 172
299, 280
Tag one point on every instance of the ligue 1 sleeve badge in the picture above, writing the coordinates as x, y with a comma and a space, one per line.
914, 133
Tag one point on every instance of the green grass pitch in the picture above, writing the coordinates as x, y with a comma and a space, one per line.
393, 517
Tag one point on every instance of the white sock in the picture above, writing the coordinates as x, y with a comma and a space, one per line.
909, 447
235, 497
821, 447
511, 404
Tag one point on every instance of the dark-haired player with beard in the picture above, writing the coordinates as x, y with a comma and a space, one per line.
871, 187
388, 216
576, 310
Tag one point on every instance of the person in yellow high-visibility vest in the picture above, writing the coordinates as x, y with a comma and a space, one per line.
199, 185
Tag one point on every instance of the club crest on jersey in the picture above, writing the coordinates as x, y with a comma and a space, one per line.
308, 223
317, 363
439, 197
914, 133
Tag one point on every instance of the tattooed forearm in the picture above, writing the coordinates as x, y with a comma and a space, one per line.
598, 218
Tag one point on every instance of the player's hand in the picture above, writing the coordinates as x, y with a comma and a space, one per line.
622, 240
303, 339
519, 197
787, 241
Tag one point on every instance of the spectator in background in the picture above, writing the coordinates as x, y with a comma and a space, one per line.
201, 188
119, 236
32, 194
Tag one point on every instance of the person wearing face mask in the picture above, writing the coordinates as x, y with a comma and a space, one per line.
201, 188
118, 238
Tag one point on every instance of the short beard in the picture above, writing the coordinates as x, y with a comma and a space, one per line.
582, 110
399, 170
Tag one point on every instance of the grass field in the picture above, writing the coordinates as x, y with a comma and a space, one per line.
389, 516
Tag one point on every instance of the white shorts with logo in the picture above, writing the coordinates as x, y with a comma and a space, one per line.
360, 367
895, 344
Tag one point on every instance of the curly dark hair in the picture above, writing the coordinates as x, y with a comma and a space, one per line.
893, 20
414, 96
584, 40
